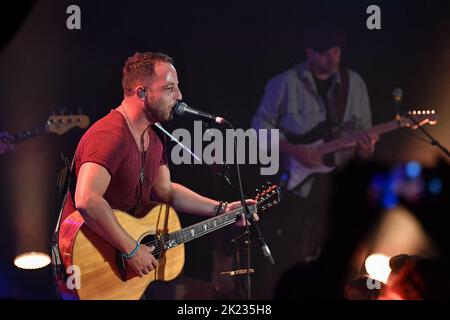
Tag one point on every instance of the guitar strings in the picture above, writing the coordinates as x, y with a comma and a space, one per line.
164, 238
158, 242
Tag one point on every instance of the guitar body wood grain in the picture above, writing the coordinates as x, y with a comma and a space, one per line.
97, 261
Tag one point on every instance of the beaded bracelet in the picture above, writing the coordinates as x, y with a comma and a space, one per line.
221, 207
131, 254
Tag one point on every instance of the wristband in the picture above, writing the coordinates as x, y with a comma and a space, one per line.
131, 254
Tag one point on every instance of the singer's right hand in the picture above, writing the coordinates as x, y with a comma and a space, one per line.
142, 262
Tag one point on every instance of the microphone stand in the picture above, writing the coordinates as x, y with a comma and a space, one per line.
248, 215
432, 140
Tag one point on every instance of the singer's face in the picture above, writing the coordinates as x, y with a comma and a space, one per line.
163, 93
326, 62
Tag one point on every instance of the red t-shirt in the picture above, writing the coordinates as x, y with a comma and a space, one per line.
110, 143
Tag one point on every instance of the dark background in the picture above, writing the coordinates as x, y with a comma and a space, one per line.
224, 53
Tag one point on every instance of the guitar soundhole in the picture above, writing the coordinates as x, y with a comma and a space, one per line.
155, 241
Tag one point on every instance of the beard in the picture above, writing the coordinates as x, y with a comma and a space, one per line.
329, 68
158, 113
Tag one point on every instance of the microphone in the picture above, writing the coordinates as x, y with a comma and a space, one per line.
182, 109
397, 94
267, 253
264, 247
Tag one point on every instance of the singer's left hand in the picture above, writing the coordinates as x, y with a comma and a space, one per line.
237, 204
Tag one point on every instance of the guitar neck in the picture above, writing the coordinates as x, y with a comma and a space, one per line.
204, 227
23, 135
349, 141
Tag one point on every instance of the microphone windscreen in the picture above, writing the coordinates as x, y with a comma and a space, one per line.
397, 92
180, 108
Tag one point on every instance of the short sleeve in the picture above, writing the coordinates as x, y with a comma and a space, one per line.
105, 148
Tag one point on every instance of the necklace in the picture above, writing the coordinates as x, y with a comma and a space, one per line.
143, 152
131, 126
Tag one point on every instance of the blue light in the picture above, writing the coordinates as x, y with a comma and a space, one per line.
378, 180
390, 200
413, 169
435, 185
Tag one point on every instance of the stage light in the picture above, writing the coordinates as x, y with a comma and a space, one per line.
32, 260
413, 169
377, 266
435, 185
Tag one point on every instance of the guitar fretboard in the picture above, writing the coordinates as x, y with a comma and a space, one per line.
204, 227
23, 135
344, 142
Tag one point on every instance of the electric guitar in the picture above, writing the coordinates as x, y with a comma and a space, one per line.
97, 270
299, 174
58, 124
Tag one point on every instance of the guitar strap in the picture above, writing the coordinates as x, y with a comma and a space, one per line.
338, 101
64, 182
335, 111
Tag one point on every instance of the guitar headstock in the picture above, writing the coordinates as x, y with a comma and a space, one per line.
421, 117
60, 124
268, 197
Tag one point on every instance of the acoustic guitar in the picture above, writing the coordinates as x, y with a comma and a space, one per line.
97, 270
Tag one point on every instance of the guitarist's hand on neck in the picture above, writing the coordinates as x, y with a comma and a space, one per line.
366, 145
307, 156
237, 204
